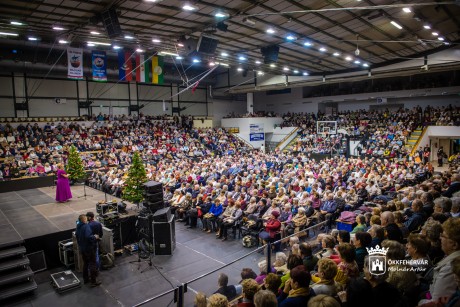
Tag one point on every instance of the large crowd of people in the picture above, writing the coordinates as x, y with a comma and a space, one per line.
213, 182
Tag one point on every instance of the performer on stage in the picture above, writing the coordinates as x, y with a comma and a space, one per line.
63, 193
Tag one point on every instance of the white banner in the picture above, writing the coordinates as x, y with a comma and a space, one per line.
75, 63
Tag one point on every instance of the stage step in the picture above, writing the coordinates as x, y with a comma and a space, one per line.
17, 289
14, 263
15, 251
11, 243
16, 277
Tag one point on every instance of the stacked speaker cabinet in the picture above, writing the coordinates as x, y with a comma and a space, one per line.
164, 235
153, 196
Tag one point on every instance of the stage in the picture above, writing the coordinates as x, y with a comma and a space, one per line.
34, 216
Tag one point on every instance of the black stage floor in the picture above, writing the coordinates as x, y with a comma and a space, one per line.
32, 213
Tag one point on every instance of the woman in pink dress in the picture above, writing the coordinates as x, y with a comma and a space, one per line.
63, 193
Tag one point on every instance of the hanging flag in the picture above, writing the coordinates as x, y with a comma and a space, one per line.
142, 68
157, 69
125, 70
195, 86
74, 63
99, 66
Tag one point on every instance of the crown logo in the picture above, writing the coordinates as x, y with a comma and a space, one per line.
377, 250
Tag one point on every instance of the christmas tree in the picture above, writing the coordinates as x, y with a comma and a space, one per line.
137, 175
74, 167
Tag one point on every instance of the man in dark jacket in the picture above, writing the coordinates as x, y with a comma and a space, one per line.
296, 292
453, 187
96, 228
231, 291
87, 246
417, 218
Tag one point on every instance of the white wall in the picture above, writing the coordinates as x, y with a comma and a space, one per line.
293, 102
244, 123
219, 108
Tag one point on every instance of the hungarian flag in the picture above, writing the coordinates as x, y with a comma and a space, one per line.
142, 68
125, 70
157, 70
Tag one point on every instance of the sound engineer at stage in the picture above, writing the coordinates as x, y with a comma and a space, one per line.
96, 228
87, 246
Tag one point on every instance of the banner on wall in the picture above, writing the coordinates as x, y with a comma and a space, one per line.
256, 132
99, 63
74, 63
125, 66
157, 69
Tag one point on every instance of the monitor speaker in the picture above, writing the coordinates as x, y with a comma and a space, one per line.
153, 197
111, 23
164, 237
270, 53
207, 45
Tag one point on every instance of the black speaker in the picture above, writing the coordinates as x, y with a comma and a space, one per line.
154, 206
162, 215
207, 45
153, 187
164, 237
270, 53
153, 197
111, 23
144, 227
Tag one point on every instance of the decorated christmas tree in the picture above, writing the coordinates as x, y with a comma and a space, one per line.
137, 176
74, 167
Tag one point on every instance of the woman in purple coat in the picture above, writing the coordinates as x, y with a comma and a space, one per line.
63, 193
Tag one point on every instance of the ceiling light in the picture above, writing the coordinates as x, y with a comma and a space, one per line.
242, 58
189, 7
212, 64
221, 15
195, 60
129, 36
139, 50
258, 62
428, 27
179, 57
308, 44
440, 38
99, 43
407, 10
435, 33
272, 65
348, 58
16, 23
239, 69
357, 62
291, 37
270, 31
58, 28
296, 71
61, 41
156, 40
31, 38
286, 68
336, 53
224, 54
305, 73
95, 33
180, 45
397, 25
116, 47
8, 34
322, 49
260, 73
365, 65
90, 45
150, 0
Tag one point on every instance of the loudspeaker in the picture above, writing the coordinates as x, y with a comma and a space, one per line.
164, 237
153, 197
207, 45
154, 206
270, 53
111, 23
144, 227
153, 187
162, 215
